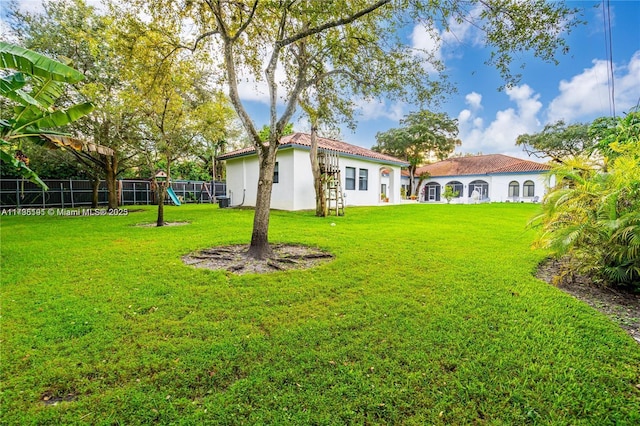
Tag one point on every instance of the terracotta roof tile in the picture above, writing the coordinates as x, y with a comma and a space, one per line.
481, 165
304, 139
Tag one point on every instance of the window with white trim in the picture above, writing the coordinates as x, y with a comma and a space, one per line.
529, 189
350, 178
363, 180
514, 189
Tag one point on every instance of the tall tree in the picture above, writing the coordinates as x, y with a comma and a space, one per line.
261, 37
166, 90
559, 141
78, 31
421, 136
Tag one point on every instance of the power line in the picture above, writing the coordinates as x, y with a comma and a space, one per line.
606, 18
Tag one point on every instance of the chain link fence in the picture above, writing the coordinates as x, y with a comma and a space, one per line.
71, 193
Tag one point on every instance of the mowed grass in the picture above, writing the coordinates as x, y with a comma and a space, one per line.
429, 314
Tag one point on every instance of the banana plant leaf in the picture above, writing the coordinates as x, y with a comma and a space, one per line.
63, 117
23, 169
64, 141
42, 121
46, 91
11, 83
32, 63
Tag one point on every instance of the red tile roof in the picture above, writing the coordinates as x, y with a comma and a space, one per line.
481, 165
304, 140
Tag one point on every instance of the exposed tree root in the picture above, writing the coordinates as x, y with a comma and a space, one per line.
234, 259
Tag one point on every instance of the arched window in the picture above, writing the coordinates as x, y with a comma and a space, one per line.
514, 189
479, 190
456, 187
529, 189
432, 191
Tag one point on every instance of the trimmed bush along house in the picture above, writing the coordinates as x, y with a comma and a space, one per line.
484, 178
360, 175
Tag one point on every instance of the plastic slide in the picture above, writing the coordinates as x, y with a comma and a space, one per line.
173, 196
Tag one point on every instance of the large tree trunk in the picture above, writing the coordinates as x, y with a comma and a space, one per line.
95, 186
317, 178
259, 248
161, 189
111, 172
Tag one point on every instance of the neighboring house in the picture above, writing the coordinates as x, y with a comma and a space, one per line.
484, 178
365, 174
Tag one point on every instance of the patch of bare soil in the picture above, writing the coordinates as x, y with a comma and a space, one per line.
620, 306
49, 398
234, 259
154, 225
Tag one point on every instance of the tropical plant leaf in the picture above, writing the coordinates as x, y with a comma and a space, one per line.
65, 141
11, 83
23, 169
32, 63
46, 91
63, 117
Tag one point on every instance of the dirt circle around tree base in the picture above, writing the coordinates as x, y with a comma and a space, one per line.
234, 259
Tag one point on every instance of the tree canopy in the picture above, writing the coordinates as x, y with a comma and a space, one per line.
421, 136
559, 141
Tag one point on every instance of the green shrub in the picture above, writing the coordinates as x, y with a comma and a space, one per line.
593, 214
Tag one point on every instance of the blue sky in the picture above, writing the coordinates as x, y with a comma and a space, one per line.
490, 120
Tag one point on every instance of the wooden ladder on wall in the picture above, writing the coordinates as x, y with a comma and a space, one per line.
331, 182
334, 195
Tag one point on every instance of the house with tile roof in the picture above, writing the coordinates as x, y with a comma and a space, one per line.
364, 174
484, 178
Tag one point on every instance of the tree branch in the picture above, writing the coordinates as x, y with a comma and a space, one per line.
245, 24
332, 24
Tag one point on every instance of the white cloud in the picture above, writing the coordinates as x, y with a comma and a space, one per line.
464, 116
429, 42
464, 30
501, 134
586, 95
426, 42
628, 86
373, 109
474, 100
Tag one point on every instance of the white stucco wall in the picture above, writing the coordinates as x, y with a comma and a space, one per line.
294, 191
281, 192
498, 186
242, 175
304, 196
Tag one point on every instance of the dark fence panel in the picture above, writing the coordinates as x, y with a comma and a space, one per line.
70, 193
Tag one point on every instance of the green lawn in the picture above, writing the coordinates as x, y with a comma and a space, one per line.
429, 314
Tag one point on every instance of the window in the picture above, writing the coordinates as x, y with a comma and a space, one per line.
363, 182
276, 173
514, 189
431, 191
529, 189
350, 178
479, 190
456, 187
